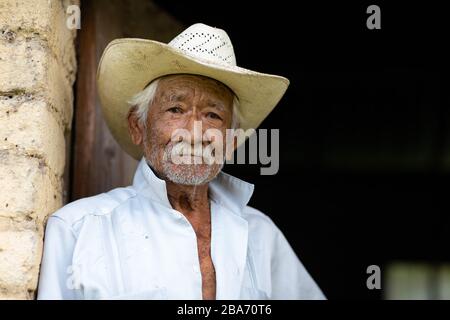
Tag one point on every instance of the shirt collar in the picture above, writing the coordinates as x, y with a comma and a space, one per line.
224, 189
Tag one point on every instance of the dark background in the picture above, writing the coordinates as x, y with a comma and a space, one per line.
364, 130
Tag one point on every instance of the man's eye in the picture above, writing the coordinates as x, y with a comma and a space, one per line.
214, 115
175, 110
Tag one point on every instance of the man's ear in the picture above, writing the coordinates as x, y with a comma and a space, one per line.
135, 127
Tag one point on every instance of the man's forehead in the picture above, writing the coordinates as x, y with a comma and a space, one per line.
182, 85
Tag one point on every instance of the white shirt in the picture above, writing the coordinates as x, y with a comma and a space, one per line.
129, 243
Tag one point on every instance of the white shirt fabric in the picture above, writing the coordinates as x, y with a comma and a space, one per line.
129, 243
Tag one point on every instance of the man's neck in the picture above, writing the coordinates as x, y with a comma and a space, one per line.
192, 201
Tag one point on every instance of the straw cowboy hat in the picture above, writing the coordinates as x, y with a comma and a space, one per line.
128, 65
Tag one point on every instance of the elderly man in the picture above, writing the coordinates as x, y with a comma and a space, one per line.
183, 229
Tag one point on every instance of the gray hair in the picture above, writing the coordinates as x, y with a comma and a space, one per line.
142, 101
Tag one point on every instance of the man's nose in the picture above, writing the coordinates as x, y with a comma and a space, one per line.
196, 127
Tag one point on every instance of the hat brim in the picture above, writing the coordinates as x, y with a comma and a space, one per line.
128, 65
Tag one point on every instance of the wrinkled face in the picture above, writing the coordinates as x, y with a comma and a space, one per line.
186, 128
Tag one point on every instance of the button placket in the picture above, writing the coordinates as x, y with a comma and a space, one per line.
196, 269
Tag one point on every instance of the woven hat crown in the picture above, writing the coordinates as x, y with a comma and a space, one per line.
205, 42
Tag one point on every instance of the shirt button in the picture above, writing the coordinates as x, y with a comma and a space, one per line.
196, 268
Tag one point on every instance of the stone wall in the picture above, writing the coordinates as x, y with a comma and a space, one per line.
37, 71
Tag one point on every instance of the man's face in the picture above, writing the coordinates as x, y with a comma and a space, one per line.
186, 104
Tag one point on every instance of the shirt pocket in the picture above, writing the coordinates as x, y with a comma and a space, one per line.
252, 280
252, 293
153, 294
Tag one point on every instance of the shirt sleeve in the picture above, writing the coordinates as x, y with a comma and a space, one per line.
57, 279
290, 279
